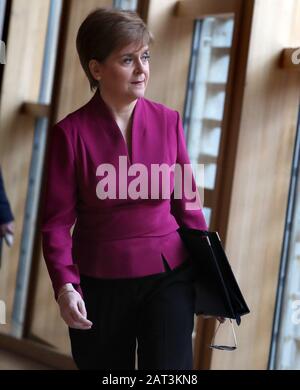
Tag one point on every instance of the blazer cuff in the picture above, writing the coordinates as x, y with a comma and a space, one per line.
67, 274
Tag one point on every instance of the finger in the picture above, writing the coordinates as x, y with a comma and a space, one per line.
81, 308
74, 324
11, 227
9, 230
77, 325
81, 327
6, 228
78, 317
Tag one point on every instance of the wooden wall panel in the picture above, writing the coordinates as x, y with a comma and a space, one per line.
21, 81
170, 54
75, 89
262, 177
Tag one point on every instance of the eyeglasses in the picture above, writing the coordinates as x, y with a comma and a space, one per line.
224, 347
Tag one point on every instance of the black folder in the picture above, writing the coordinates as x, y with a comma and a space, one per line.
217, 291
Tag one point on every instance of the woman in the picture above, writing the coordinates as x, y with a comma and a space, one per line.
124, 276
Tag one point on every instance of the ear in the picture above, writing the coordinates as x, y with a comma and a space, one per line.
95, 69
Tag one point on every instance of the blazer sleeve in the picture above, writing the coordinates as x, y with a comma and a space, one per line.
6, 215
59, 211
185, 215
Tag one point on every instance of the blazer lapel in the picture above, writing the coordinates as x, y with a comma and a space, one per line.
98, 108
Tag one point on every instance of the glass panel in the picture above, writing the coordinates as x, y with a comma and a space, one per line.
2, 15
207, 215
125, 4
205, 99
2, 44
285, 348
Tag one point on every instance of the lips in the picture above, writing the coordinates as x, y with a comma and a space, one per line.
138, 82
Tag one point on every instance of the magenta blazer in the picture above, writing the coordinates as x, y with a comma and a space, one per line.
112, 238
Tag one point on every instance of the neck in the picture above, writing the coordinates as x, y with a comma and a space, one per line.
118, 107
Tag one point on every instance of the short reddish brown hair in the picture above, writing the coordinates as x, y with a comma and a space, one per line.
105, 30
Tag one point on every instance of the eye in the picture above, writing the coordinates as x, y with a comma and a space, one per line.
146, 56
127, 60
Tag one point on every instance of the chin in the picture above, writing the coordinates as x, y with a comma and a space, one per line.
140, 94
137, 94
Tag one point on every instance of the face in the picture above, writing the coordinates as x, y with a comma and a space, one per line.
121, 71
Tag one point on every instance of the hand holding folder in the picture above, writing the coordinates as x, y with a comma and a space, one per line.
217, 291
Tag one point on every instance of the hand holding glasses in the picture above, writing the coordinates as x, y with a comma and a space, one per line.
224, 347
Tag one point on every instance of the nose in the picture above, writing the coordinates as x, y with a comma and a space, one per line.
139, 67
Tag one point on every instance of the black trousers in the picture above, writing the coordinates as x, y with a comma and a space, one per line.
154, 312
